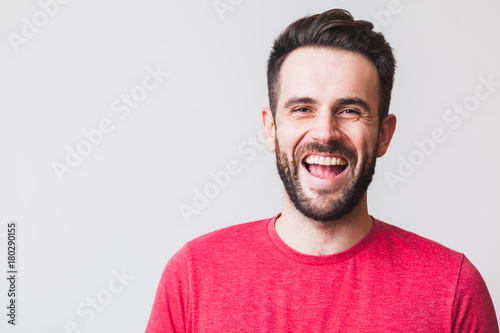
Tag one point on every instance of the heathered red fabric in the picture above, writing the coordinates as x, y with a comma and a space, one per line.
246, 279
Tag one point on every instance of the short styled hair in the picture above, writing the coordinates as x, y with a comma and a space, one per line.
334, 29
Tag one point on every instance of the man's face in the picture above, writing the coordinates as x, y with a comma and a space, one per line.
326, 130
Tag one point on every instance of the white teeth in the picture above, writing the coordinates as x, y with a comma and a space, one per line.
321, 160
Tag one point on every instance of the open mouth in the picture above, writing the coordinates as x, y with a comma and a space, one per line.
324, 166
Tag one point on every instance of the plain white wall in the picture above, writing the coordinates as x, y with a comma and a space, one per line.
116, 211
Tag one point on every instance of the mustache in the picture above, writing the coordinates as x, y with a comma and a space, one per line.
333, 148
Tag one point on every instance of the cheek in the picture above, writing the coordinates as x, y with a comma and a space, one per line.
288, 138
365, 144
296, 131
363, 138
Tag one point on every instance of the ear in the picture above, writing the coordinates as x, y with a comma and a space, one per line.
269, 129
385, 136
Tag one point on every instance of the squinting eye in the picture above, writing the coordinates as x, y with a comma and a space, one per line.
301, 110
350, 114
350, 111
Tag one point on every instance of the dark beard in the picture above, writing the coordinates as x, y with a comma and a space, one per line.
324, 209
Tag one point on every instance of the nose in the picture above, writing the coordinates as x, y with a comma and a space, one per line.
326, 127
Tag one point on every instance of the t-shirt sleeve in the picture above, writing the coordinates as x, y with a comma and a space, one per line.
473, 309
170, 308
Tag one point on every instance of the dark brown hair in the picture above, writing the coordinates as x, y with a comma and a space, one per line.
335, 29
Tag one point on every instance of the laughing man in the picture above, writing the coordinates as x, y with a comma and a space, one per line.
323, 264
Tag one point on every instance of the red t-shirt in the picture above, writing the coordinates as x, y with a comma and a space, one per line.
244, 278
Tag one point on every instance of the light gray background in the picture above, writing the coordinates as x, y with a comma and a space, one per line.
119, 209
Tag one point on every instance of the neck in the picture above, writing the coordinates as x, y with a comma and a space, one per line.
322, 238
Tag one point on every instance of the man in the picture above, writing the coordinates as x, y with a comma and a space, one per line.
323, 264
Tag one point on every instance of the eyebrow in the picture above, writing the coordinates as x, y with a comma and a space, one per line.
341, 101
299, 100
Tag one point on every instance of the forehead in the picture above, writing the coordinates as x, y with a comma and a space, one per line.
325, 73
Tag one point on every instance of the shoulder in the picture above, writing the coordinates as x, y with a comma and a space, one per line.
440, 272
416, 252
411, 243
216, 249
239, 238
240, 232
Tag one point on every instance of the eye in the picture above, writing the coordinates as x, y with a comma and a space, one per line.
350, 113
301, 110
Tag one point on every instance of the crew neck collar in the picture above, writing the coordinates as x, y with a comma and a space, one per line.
320, 260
